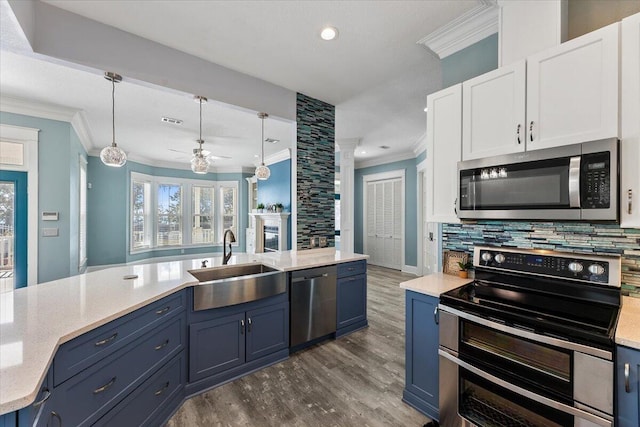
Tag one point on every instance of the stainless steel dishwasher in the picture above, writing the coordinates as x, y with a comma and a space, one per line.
313, 304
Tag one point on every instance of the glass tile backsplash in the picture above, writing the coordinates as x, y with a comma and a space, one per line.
559, 236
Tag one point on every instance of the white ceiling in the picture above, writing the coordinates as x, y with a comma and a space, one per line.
374, 72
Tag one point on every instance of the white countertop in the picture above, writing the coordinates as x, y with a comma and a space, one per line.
628, 330
35, 320
434, 284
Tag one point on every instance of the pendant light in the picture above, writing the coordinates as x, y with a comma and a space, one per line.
200, 163
112, 155
262, 172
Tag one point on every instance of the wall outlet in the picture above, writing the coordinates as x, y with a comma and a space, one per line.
323, 241
49, 232
313, 242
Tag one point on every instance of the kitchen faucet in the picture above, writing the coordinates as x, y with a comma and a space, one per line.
232, 239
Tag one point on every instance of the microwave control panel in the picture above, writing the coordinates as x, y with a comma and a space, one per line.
595, 181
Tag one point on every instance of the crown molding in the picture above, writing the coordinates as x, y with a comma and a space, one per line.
420, 145
277, 157
467, 29
377, 161
48, 111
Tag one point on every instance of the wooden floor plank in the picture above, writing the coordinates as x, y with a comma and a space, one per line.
356, 380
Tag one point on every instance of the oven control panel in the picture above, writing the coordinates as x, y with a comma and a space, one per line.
564, 266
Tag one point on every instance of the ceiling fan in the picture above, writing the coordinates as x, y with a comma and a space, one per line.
205, 153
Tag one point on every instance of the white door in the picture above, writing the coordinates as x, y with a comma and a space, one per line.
493, 116
630, 123
572, 91
444, 147
384, 215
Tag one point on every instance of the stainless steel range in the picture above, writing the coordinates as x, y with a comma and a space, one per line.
530, 341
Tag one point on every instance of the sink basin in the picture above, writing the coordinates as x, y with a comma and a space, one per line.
235, 284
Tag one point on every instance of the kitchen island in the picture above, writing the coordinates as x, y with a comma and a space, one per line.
37, 320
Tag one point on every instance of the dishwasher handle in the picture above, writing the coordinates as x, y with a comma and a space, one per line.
305, 279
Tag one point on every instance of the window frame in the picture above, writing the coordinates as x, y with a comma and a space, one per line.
187, 210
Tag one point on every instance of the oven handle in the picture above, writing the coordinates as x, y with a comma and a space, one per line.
603, 354
526, 393
574, 182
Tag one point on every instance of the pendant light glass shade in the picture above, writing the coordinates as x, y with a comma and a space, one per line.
200, 163
262, 172
113, 155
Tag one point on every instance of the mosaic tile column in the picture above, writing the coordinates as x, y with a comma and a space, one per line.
574, 237
315, 170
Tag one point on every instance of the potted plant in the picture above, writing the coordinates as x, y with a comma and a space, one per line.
279, 207
464, 269
260, 207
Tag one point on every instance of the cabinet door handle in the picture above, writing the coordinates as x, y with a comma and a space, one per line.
54, 414
161, 346
249, 323
242, 327
162, 390
163, 311
106, 340
47, 395
531, 131
629, 200
435, 316
105, 387
455, 206
518, 133
627, 386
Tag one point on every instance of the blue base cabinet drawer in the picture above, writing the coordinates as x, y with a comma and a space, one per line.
82, 352
352, 268
142, 407
89, 395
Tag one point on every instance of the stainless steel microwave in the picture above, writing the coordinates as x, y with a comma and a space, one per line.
573, 182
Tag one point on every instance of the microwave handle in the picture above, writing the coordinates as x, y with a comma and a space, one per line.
574, 182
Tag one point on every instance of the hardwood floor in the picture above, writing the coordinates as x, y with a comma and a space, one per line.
356, 380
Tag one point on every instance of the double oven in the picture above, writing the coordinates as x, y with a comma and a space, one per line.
530, 341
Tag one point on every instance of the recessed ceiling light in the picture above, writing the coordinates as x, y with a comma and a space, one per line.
426, 109
272, 140
329, 33
256, 156
363, 152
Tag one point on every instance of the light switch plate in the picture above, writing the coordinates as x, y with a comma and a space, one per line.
49, 232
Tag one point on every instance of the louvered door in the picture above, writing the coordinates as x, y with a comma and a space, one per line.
384, 213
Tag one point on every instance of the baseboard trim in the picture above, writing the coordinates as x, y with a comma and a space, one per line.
410, 269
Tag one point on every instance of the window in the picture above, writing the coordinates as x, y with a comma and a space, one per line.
202, 228
163, 210
82, 213
140, 213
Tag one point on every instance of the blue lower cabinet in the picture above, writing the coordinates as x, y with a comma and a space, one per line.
267, 331
224, 343
39, 412
9, 420
154, 401
421, 357
628, 388
351, 300
216, 345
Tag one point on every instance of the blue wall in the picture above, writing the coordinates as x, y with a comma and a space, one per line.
471, 61
108, 207
410, 208
58, 151
277, 189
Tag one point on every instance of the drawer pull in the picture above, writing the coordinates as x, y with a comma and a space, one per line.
106, 340
162, 390
105, 387
161, 346
163, 311
47, 395
351, 268
54, 414
627, 386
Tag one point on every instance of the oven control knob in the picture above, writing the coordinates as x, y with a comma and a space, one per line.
596, 269
499, 258
575, 267
486, 256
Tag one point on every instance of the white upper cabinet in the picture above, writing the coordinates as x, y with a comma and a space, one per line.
529, 26
572, 91
630, 123
493, 112
444, 141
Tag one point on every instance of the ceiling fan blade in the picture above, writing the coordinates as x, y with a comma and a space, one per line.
178, 151
219, 157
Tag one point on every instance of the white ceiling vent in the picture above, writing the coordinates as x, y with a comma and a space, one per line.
171, 121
